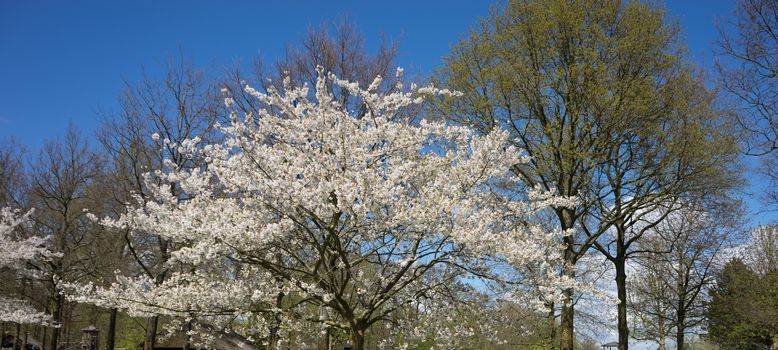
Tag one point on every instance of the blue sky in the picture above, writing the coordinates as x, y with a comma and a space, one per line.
62, 60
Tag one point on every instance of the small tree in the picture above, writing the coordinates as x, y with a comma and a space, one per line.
743, 312
762, 249
673, 277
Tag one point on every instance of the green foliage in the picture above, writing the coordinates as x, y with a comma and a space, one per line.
601, 94
743, 311
590, 89
700, 344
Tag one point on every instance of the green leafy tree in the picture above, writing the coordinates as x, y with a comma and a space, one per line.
601, 96
743, 308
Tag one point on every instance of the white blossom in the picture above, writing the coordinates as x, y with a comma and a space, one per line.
358, 213
14, 252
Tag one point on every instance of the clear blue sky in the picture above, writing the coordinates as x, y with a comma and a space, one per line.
61, 60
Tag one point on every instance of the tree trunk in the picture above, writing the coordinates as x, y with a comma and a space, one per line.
275, 328
680, 322
18, 336
357, 339
566, 324
188, 343
110, 338
64, 333
662, 335
679, 339
273, 338
57, 318
621, 287
151, 333
551, 319
324, 339
566, 321
43, 338
680, 333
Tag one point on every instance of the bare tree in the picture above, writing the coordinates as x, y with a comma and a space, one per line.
12, 173
60, 178
679, 151
154, 116
339, 48
668, 291
748, 70
762, 249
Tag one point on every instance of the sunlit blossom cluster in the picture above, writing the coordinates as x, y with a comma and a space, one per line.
15, 251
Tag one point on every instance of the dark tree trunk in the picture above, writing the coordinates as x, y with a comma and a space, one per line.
620, 264
324, 339
621, 286
151, 333
18, 338
679, 338
566, 324
357, 339
680, 321
275, 328
188, 343
551, 319
57, 317
43, 338
110, 338
680, 333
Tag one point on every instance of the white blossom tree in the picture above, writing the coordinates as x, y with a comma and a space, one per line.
312, 214
14, 252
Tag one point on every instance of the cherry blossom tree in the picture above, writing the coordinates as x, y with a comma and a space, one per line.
14, 252
348, 216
